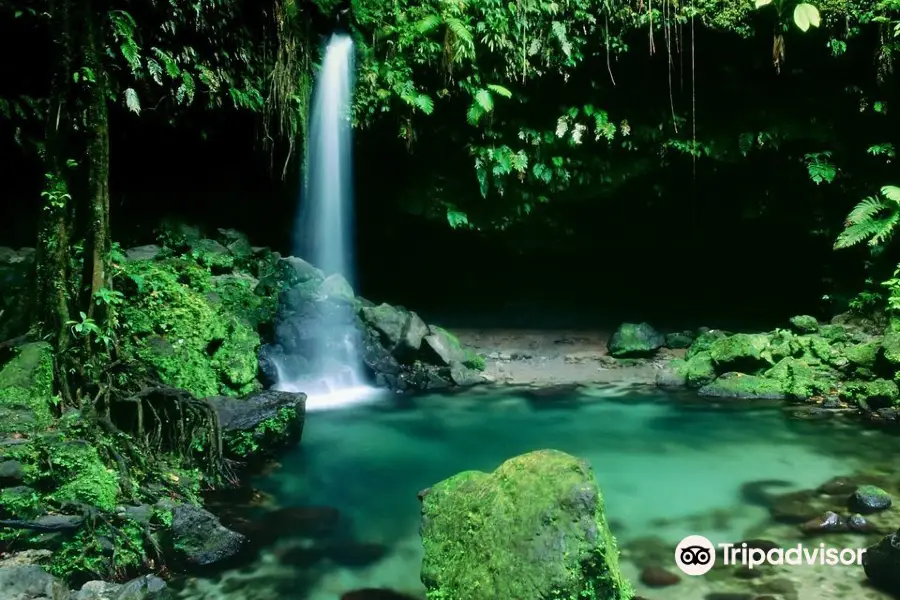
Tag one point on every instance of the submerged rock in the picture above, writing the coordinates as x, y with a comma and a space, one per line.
635, 340
532, 529
200, 539
868, 499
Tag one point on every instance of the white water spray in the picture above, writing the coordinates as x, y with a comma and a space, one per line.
325, 232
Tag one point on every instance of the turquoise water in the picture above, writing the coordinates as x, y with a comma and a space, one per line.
668, 465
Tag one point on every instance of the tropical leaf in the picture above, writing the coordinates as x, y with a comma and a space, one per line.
806, 15
499, 90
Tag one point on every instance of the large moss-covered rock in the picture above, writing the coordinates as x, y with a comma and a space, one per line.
534, 529
635, 340
744, 387
26, 390
697, 370
741, 352
188, 328
797, 379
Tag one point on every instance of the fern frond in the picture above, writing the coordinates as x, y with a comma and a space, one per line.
460, 30
132, 101
499, 90
866, 210
886, 228
424, 103
891, 192
856, 233
474, 114
428, 23
484, 100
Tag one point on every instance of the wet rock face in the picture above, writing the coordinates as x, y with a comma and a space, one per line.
200, 539
881, 563
321, 325
261, 422
30, 583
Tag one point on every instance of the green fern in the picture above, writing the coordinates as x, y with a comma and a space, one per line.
132, 101
874, 219
484, 99
474, 114
424, 103
428, 23
500, 90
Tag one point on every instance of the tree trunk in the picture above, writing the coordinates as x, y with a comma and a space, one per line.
97, 240
53, 265
74, 240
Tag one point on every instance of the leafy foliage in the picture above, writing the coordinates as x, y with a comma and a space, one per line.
873, 219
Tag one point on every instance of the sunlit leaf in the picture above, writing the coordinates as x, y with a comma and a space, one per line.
806, 15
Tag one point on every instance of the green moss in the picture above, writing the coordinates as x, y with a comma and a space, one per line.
703, 342
26, 390
82, 476
739, 385
190, 341
20, 502
872, 395
891, 345
103, 552
863, 355
238, 295
534, 528
800, 380
268, 433
697, 370
474, 360
805, 324
739, 352
833, 333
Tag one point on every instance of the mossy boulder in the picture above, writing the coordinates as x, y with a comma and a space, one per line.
872, 395
744, 387
863, 355
704, 341
798, 380
891, 348
635, 340
679, 340
697, 370
533, 529
26, 390
741, 352
178, 324
260, 423
805, 324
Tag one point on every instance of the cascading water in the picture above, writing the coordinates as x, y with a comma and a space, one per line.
324, 237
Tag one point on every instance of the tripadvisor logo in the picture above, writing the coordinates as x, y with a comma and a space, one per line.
696, 555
